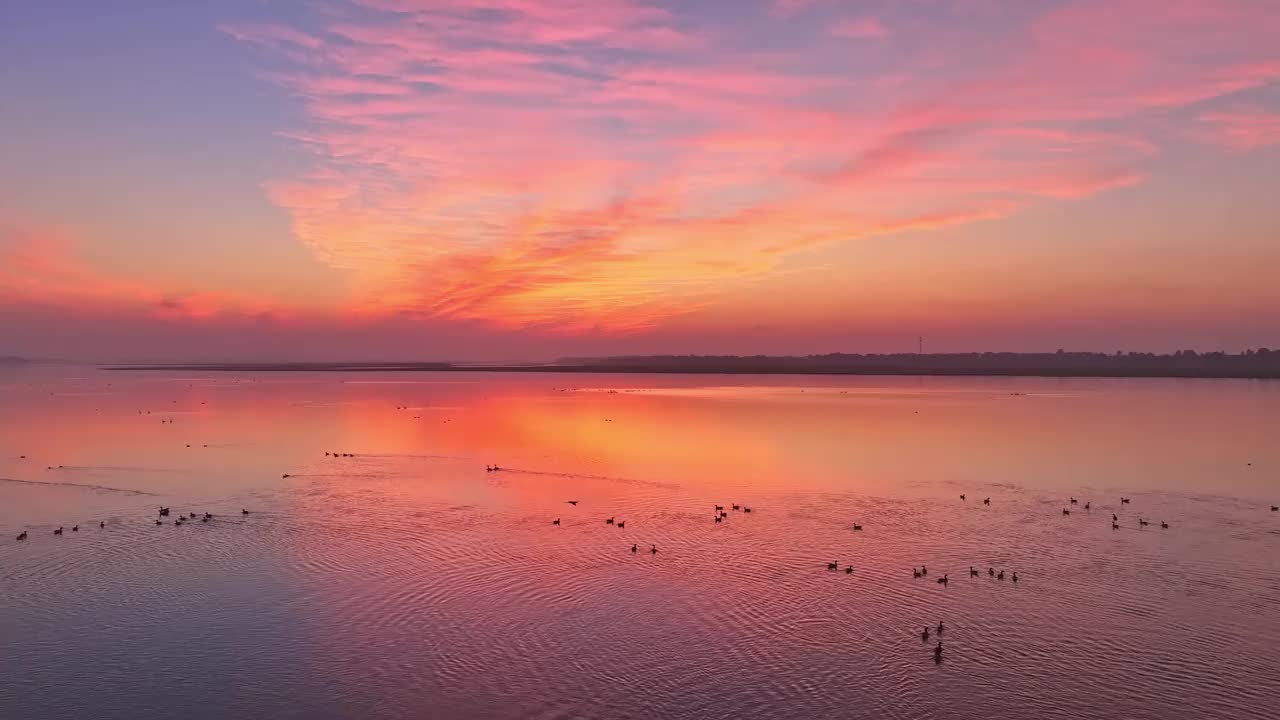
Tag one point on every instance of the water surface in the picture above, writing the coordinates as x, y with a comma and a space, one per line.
407, 581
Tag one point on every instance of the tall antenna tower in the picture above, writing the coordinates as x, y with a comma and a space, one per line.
920, 345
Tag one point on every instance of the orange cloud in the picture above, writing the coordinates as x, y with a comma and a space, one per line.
610, 165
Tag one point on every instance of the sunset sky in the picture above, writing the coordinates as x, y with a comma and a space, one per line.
524, 179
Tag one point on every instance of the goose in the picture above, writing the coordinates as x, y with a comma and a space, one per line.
937, 652
177, 523
633, 548
58, 531
573, 502
1015, 576
204, 519
735, 507
102, 524
962, 496
158, 521
193, 516
1115, 526
1142, 523
987, 501
915, 573
833, 565
621, 523
940, 628
972, 572
856, 526
1114, 518
848, 570
1124, 501
244, 512
719, 518
653, 550
164, 512
22, 536
924, 636
1086, 506
556, 521
1275, 508
719, 508
942, 580
924, 570
991, 572
746, 509
75, 528
609, 521
1164, 525
284, 476
1000, 575
1073, 501
1066, 511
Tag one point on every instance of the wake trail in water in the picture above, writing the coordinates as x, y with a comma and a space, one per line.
81, 486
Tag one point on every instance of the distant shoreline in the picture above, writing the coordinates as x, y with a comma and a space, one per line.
762, 368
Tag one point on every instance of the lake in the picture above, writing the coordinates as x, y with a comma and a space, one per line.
401, 579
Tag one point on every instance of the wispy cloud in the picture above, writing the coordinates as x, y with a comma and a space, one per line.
615, 163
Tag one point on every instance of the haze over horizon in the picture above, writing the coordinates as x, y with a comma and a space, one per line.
529, 179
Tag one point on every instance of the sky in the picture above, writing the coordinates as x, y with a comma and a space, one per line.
528, 179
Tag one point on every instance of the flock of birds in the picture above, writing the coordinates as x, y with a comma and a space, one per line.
162, 512
720, 514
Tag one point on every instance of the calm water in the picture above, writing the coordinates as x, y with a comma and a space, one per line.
409, 582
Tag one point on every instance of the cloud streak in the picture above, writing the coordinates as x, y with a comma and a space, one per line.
608, 166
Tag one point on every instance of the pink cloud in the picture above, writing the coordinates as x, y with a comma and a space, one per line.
860, 29
1241, 128
573, 165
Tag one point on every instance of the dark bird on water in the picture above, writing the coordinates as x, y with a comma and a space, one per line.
75, 528
633, 547
556, 521
573, 502
856, 526
1164, 525
609, 521
746, 509
164, 512
1115, 526
1015, 576
987, 501
1275, 508
204, 519
940, 628
961, 496
719, 508
22, 536
653, 550
848, 570
924, 636
991, 572
942, 580
58, 531
1142, 523
244, 512
1086, 506
735, 507
102, 524
177, 523
833, 565
1124, 501
915, 573
284, 476
1114, 518
719, 518
972, 572
937, 652
1066, 511
621, 523
1073, 501
924, 570
157, 521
